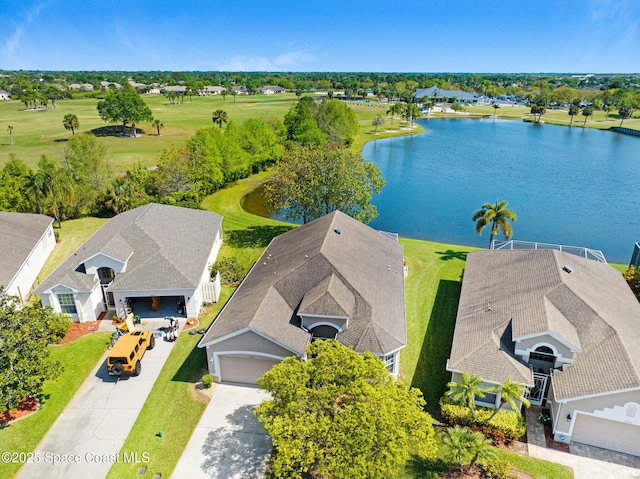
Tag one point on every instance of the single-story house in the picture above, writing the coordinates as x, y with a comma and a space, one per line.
4, 95
271, 89
332, 278
439, 95
110, 84
568, 327
212, 90
26, 241
178, 89
239, 90
150, 257
81, 86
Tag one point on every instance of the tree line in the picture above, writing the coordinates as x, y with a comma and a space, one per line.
312, 138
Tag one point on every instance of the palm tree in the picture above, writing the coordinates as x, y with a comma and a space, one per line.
234, 94
157, 124
10, 130
495, 109
219, 117
573, 111
512, 393
587, 111
224, 95
411, 112
35, 186
70, 122
394, 109
376, 122
498, 215
466, 391
465, 446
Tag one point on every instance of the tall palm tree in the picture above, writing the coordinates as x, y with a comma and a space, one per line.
394, 109
573, 111
498, 215
512, 393
466, 391
219, 117
587, 111
10, 130
495, 109
157, 124
70, 122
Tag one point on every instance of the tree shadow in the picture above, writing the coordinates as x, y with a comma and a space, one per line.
427, 468
61, 140
116, 130
451, 254
431, 377
255, 236
190, 369
241, 449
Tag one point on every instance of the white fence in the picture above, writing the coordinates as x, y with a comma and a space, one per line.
210, 290
588, 253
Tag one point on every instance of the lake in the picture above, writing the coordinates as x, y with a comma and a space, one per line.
571, 186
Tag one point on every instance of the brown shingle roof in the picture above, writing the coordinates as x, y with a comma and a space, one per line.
358, 269
19, 235
592, 309
166, 247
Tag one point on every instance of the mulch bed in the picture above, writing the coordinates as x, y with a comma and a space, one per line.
190, 324
26, 407
551, 444
77, 330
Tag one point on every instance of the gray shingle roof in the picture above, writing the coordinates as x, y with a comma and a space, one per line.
19, 234
434, 91
359, 271
168, 248
591, 308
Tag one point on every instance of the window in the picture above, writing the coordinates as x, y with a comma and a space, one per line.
324, 332
67, 304
489, 398
389, 362
106, 275
544, 354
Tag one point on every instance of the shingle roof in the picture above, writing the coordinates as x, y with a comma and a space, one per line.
19, 234
166, 246
592, 309
357, 271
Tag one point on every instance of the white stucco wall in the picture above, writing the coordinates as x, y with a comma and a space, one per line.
24, 279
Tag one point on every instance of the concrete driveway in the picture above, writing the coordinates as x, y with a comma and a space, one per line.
229, 442
585, 467
87, 437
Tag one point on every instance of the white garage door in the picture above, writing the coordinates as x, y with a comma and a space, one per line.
244, 368
614, 435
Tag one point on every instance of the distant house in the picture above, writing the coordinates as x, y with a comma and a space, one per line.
152, 257
240, 90
212, 90
110, 85
179, 89
81, 86
26, 241
139, 87
271, 89
4, 95
566, 326
332, 278
439, 95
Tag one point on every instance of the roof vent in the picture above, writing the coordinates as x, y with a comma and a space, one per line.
567, 268
338, 230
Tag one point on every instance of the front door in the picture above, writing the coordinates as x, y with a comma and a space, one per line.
538, 392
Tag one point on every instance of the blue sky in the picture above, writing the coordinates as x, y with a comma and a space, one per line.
582, 36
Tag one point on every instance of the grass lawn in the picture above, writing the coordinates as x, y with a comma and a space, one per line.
72, 234
78, 359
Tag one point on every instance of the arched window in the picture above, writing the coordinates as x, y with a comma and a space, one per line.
324, 332
106, 275
544, 354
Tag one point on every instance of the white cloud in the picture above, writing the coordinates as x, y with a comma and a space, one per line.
12, 43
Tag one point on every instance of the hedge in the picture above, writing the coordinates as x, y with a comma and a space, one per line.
506, 426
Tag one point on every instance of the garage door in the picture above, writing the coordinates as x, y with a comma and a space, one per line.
244, 368
614, 435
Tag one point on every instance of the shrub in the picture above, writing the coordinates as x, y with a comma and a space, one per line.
544, 419
231, 271
207, 380
499, 468
506, 426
